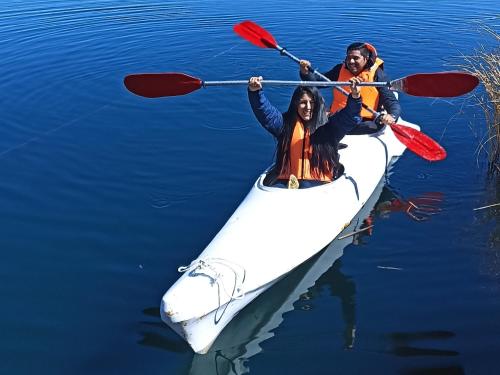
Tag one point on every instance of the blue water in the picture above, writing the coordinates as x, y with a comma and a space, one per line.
104, 194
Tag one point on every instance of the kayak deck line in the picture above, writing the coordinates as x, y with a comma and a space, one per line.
246, 257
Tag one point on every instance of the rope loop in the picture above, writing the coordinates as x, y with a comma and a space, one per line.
208, 267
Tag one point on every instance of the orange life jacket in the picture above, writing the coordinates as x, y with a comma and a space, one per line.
299, 156
369, 94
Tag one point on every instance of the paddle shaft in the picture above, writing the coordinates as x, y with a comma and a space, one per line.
327, 83
155, 85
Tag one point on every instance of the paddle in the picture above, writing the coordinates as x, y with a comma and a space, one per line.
436, 85
414, 140
156, 85
418, 142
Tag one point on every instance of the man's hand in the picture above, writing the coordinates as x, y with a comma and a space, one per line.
386, 119
304, 66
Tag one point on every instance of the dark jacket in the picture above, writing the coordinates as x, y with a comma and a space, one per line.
387, 99
338, 125
325, 137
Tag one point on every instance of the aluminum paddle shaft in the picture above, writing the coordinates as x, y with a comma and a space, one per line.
157, 85
272, 82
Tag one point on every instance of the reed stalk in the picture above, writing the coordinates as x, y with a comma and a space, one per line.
485, 64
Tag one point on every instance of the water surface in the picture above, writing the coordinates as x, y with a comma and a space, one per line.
104, 194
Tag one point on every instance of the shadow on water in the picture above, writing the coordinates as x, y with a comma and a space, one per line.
241, 339
449, 370
402, 343
166, 339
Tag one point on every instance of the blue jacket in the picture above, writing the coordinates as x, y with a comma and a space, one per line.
338, 125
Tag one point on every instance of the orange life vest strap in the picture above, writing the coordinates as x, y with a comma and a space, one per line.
369, 94
300, 152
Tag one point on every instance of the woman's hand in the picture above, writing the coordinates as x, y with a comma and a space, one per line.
304, 66
355, 89
255, 83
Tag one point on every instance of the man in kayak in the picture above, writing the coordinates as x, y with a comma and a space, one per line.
307, 149
361, 61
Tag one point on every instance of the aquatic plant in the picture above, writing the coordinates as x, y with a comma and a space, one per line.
485, 64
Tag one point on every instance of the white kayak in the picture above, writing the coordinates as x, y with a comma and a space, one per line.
243, 336
273, 231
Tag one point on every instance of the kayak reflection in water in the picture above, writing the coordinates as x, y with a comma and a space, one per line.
343, 287
307, 149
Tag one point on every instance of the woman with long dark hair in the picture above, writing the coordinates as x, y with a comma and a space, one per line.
307, 150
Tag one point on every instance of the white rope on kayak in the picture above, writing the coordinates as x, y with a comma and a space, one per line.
207, 268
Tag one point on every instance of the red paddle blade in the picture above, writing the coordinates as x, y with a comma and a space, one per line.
255, 34
439, 85
156, 85
419, 143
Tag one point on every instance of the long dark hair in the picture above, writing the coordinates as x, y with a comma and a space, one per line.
324, 152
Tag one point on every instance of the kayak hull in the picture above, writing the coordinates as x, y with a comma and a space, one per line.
243, 336
273, 231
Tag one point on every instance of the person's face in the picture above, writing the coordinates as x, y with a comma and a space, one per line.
355, 62
306, 107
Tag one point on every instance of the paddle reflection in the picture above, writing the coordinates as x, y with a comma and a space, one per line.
418, 208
